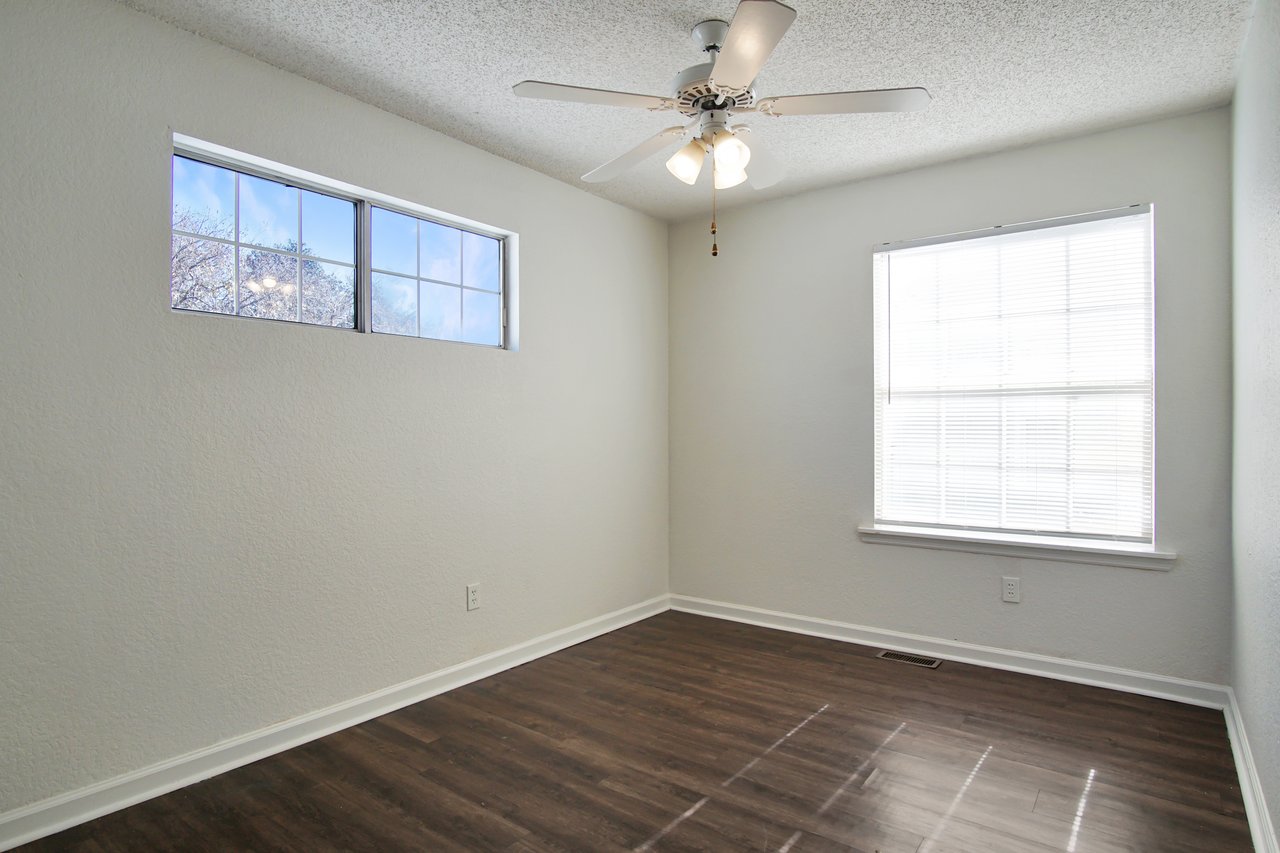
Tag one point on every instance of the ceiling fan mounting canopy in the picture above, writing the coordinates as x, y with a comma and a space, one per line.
709, 35
712, 92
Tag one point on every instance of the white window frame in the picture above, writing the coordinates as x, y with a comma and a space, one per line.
365, 199
1065, 548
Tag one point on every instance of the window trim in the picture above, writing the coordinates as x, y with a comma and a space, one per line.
365, 200
1097, 552
1093, 550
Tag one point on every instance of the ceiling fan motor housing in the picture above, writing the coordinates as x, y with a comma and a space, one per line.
693, 94
692, 89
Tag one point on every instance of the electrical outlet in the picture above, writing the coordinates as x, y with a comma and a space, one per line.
1011, 589
473, 596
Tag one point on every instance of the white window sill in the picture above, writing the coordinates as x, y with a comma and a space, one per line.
1093, 552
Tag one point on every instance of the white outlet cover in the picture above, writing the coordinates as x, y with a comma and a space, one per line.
1011, 589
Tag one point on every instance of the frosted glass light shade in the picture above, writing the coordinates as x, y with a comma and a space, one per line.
731, 153
686, 164
726, 178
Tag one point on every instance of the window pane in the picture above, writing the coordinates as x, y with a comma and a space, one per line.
971, 496
328, 227
480, 266
911, 493
328, 294
1037, 350
395, 242
441, 311
1107, 503
1035, 499
268, 285
268, 213
441, 252
482, 318
203, 275
204, 198
395, 304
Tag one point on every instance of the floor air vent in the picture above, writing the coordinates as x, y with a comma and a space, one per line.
914, 660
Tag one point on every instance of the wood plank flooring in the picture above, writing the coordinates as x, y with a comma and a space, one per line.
688, 733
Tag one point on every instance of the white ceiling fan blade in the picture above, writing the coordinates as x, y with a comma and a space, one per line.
581, 95
831, 103
763, 169
660, 140
756, 29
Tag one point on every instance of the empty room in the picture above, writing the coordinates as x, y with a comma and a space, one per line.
679, 425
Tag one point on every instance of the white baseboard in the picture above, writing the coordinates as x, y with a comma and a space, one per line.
66, 810
1255, 804
1128, 680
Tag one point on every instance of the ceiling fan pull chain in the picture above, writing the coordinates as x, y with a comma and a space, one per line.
715, 249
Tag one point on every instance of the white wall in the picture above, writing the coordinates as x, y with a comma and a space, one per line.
771, 406
208, 525
1256, 505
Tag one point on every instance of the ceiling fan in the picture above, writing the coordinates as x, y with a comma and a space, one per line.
717, 91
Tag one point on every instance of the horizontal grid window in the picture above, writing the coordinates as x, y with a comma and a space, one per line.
252, 243
1014, 381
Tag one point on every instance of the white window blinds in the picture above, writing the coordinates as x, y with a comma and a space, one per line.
1014, 386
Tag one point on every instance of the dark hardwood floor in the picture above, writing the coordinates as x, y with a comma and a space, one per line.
688, 733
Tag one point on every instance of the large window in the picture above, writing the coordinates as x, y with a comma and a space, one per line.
251, 242
1014, 384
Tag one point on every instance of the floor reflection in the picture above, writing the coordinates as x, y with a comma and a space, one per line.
777, 743
955, 801
861, 767
692, 810
1075, 825
688, 813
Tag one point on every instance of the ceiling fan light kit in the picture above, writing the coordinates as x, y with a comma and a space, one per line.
714, 92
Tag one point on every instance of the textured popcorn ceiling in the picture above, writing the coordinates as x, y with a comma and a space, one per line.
1002, 73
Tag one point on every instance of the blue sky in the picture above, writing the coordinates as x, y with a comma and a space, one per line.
205, 189
268, 210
